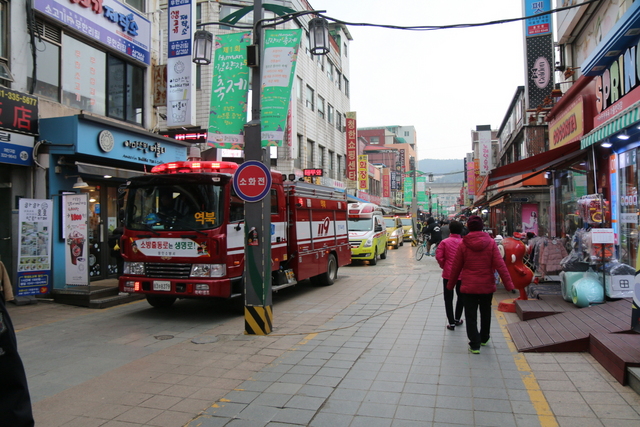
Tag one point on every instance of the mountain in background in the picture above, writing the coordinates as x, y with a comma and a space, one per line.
439, 167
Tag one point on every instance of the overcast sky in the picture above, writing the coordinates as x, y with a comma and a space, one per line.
442, 82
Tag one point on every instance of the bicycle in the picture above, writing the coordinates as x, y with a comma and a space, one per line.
422, 248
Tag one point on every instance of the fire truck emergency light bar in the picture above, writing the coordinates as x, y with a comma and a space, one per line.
195, 167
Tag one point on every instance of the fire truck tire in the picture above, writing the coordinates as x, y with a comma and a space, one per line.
160, 302
329, 277
374, 260
383, 255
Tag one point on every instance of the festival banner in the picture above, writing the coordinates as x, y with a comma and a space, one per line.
278, 70
352, 147
75, 217
34, 247
230, 87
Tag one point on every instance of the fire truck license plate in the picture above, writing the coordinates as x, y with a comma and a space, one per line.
161, 285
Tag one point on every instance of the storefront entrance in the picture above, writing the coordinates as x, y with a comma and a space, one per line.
103, 220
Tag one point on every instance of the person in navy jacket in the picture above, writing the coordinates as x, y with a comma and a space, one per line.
476, 260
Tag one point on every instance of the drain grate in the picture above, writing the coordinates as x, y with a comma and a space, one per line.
163, 337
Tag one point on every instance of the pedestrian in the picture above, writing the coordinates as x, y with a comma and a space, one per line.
444, 229
433, 233
476, 259
445, 254
15, 402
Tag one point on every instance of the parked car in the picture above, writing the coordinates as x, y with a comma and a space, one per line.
394, 231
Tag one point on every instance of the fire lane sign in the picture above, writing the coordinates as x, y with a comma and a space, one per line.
252, 181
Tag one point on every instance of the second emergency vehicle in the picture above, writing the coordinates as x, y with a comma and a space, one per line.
367, 233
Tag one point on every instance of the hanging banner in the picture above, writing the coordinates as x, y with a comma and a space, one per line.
386, 182
539, 53
408, 190
34, 247
484, 146
352, 147
278, 70
230, 87
75, 216
181, 99
363, 172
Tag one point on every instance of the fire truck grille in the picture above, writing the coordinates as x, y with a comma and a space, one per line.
170, 271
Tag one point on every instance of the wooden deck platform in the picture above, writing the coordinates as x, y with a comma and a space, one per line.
616, 353
569, 330
546, 305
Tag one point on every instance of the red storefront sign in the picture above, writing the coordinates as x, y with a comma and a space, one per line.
386, 182
352, 147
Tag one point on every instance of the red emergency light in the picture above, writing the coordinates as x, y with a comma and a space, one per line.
195, 167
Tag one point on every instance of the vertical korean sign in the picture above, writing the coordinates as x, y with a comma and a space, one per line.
18, 116
408, 190
230, 86
352, 147
539, 52
471, 177
34, 247
386, 182
363, 172
181, 98
484, 146
278, 69
75, 215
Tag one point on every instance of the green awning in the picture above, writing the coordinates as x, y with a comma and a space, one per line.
615, 125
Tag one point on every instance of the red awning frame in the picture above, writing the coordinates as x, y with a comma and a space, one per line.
538, 163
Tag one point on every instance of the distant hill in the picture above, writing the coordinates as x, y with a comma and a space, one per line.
438, 167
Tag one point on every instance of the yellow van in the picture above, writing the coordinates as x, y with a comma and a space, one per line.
394, 231
367, 234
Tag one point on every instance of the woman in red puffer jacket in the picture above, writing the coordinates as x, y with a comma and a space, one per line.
476, 259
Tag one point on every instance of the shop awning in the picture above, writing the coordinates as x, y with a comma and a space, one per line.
100, 170
615, 125
496, 201
536, 163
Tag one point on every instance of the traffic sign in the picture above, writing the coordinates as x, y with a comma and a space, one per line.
252, 181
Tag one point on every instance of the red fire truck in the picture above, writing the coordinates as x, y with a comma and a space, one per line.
184, 233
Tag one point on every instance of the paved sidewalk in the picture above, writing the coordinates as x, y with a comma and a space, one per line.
371, 350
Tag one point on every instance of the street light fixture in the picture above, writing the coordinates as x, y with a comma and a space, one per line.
257, 265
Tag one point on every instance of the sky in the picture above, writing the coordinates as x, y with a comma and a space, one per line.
443, 82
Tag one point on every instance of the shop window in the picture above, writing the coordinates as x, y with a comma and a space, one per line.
125, 84
48, 42
84, 77
628, 202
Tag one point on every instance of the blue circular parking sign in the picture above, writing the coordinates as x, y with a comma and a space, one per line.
252, 181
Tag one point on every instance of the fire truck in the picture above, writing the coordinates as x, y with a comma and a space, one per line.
184, 233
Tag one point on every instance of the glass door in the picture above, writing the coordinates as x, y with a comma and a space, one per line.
95, 238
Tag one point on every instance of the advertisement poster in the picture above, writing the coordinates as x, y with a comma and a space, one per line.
181, 99
278, 69
34, 247
75, 216
230, 87
530, 218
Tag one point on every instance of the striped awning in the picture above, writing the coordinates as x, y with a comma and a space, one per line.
628, 117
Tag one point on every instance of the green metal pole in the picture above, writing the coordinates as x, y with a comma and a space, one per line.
257, 266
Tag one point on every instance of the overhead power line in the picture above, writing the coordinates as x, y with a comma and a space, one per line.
446, 27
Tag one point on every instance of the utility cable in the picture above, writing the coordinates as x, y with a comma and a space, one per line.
354, 324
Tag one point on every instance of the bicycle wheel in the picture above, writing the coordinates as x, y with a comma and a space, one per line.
419, 252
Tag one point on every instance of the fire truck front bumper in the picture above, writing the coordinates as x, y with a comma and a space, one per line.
181, 288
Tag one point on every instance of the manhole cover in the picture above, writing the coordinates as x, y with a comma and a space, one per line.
205, 340
163, 337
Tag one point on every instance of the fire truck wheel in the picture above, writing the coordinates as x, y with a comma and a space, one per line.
374, 260
160, 302
383, 255
329, 277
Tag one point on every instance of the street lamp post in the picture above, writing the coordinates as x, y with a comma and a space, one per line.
257, 263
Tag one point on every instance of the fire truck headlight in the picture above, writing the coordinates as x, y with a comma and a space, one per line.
368, 242
208, 270
134, 268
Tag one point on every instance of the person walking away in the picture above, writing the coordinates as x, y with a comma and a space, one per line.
15, 401
445, 254
433, 231
476, 259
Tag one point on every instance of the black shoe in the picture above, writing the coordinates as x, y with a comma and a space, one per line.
459, 322
451, 327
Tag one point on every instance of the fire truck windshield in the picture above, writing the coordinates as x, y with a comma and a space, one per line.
185, 206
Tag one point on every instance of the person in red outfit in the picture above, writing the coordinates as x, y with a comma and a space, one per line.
445, 253
476, 259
